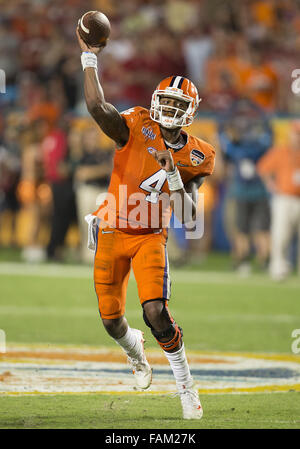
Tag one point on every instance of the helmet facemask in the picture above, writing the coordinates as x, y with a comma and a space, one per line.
181, 117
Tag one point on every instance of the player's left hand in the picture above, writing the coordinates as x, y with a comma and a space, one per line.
165, 160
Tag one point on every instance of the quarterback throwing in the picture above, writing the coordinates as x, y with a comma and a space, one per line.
159, 167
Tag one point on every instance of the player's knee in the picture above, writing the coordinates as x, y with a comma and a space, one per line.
153, 314
167, 333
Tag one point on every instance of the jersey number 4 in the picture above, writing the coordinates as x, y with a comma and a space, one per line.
153, 185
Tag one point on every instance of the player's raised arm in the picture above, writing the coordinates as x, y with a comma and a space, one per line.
105, 114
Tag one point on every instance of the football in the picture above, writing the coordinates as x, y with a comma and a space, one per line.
94, 28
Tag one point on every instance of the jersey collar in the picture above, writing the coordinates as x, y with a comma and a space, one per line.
177, 146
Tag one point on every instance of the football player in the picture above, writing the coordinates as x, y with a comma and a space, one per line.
153, 158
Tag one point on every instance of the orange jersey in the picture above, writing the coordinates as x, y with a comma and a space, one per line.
284, 164
136, 201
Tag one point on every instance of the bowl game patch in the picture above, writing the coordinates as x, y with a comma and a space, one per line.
197, 157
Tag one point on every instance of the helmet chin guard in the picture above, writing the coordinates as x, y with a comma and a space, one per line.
179, 88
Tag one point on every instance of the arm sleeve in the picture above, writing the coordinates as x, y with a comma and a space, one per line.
132, 116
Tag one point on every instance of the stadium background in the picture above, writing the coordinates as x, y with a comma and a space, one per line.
237, 53
227, 48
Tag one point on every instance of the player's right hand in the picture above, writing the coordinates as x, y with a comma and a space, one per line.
165, 160
85, 47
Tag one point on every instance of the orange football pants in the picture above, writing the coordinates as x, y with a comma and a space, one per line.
116, 252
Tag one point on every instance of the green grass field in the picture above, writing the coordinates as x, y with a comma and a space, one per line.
218, 312
256, 411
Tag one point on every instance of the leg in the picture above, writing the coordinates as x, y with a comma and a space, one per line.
242, 247
151, 270
261, 231
242, 237
229, 220
63, 210
261, 241
111, 274
116, 328
282, 228
55, 222
167, 333
169, 336
132, 342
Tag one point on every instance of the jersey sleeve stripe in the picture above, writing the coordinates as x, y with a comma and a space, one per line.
167, 283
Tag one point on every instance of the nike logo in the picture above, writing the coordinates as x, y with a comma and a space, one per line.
180, 164
107, 232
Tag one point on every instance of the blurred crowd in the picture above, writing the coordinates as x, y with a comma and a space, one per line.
228, 48
239, 54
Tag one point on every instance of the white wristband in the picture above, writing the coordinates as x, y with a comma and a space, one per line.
174, 180
88, 59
